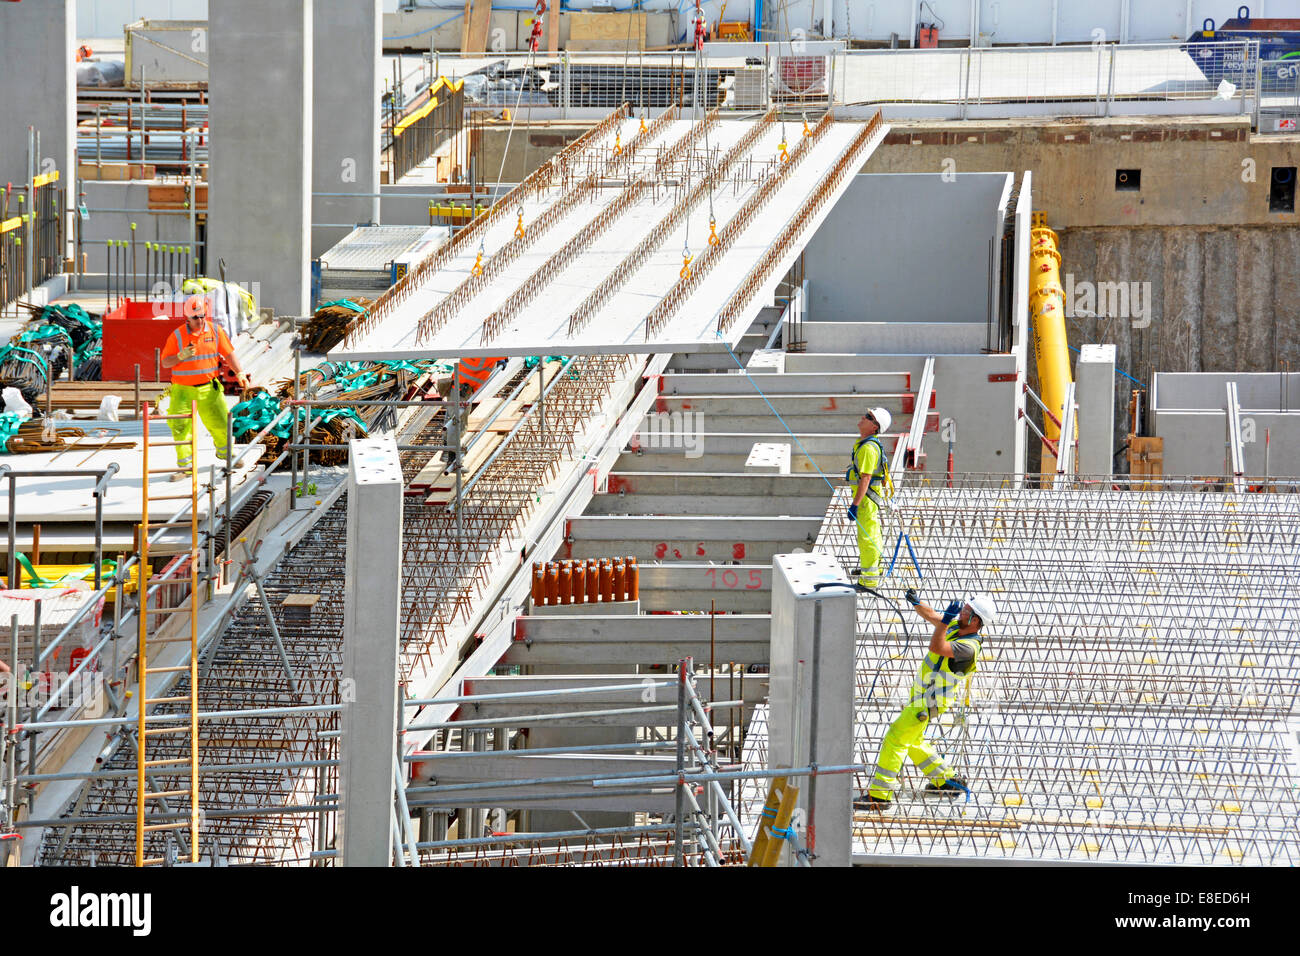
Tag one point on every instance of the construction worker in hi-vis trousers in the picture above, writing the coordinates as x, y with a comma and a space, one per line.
868, 472
193, 353
954, 649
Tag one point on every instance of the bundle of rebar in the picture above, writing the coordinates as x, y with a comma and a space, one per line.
33, 358
85, 329
32, 436
332, 322
332, 427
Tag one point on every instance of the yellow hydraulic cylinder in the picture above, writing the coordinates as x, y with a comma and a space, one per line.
1047, 315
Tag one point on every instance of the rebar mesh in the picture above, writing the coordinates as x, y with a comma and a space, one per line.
1134, 702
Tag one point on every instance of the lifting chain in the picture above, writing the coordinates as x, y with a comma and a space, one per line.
686, 263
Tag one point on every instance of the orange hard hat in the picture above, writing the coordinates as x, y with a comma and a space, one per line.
197, 305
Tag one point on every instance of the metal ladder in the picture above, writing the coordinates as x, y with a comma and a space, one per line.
150, 799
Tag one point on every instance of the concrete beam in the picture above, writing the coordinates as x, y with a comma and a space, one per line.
261, 154
697, 539
904, 338
518, 765
689, 493
729, 452
640, 691
640, 639
691, 587
814, 381
347, 42
38, 77
368, 748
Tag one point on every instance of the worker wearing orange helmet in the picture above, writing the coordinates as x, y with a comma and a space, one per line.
193, 353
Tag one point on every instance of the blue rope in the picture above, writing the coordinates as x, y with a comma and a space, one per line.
1118, 370
727, 346
857, 522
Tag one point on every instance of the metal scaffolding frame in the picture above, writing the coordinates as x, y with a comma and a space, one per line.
1136, 701
269, 780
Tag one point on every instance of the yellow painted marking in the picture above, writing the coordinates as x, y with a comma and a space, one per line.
1230, 807
1093, 803
1006, 843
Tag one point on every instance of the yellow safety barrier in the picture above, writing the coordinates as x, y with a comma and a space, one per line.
1047, 313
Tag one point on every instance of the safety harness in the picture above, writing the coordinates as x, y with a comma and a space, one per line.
879, 477
933, 668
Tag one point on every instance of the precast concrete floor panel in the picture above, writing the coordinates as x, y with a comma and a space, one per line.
541, 300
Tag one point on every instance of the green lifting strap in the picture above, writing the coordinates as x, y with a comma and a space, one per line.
346, 303
107, 569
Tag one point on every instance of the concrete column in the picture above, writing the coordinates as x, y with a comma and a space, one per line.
38, 80
368, 749
825, 649
1095, 395
348, 43
260, 82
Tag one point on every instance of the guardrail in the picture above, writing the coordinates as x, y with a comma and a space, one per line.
414, 138
1104, 79
31, 235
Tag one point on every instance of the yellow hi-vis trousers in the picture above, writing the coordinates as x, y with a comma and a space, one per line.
906, 735
870, 543
212, 410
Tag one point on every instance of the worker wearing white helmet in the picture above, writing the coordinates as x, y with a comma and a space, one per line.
868, 472
954, 650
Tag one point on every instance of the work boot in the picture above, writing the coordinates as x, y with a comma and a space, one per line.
181, 473
952, 785
873, 804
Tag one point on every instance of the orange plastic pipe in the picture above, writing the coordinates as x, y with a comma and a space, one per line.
552, 584
620, 580
633, 580
606, 580
566, 583
579, 582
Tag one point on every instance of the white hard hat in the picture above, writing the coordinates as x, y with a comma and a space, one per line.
883, 419
985, 607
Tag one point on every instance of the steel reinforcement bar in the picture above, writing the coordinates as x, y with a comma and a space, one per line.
588, 234
761, 270
658, 316
634, 259
539, 179
472, 285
